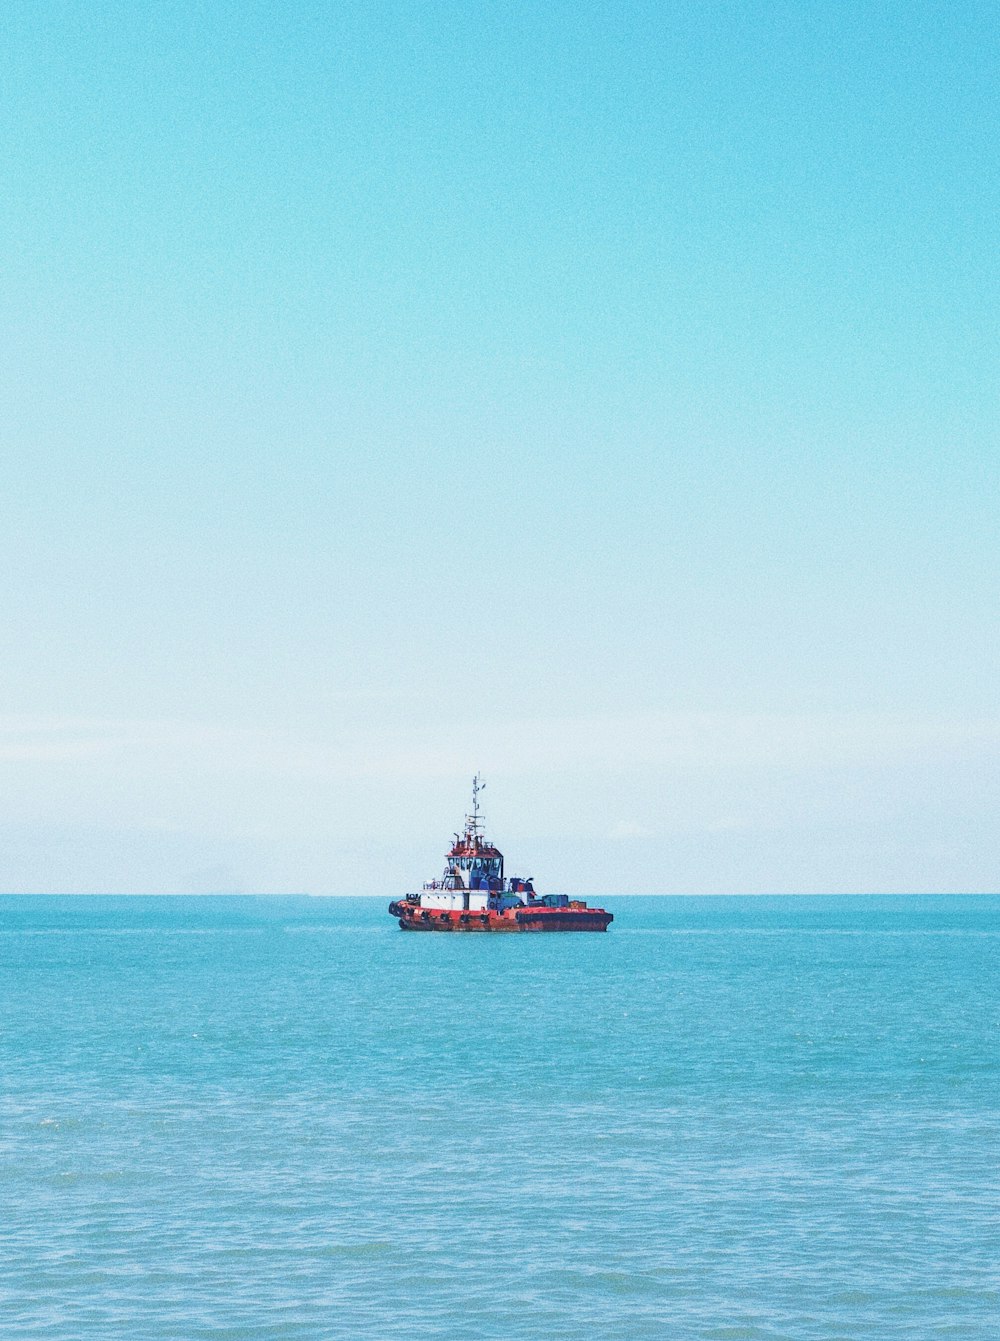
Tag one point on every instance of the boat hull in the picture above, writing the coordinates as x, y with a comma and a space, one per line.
574, 917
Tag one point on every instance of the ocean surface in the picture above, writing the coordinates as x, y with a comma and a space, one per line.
729, 1119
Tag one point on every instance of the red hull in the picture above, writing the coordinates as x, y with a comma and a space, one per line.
574, 917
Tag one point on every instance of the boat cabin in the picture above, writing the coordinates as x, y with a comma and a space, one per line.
473, 879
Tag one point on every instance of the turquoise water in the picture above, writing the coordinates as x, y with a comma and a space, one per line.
283, 1118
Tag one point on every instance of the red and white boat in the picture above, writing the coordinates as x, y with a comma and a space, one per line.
474, 895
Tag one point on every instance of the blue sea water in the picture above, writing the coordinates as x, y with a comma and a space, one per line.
729, 1119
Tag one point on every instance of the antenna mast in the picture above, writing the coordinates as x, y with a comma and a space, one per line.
473, 819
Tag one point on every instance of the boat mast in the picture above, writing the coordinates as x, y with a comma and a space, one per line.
473, 819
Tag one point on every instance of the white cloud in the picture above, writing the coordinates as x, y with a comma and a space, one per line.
700, 741
629, 829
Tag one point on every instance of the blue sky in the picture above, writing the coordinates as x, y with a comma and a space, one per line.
601, 396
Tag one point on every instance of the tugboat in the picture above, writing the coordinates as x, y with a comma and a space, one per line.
473, 894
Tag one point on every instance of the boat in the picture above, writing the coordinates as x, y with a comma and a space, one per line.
474, 895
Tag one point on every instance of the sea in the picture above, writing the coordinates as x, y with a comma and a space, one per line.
727, 1119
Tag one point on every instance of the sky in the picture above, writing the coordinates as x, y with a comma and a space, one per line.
602, 396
